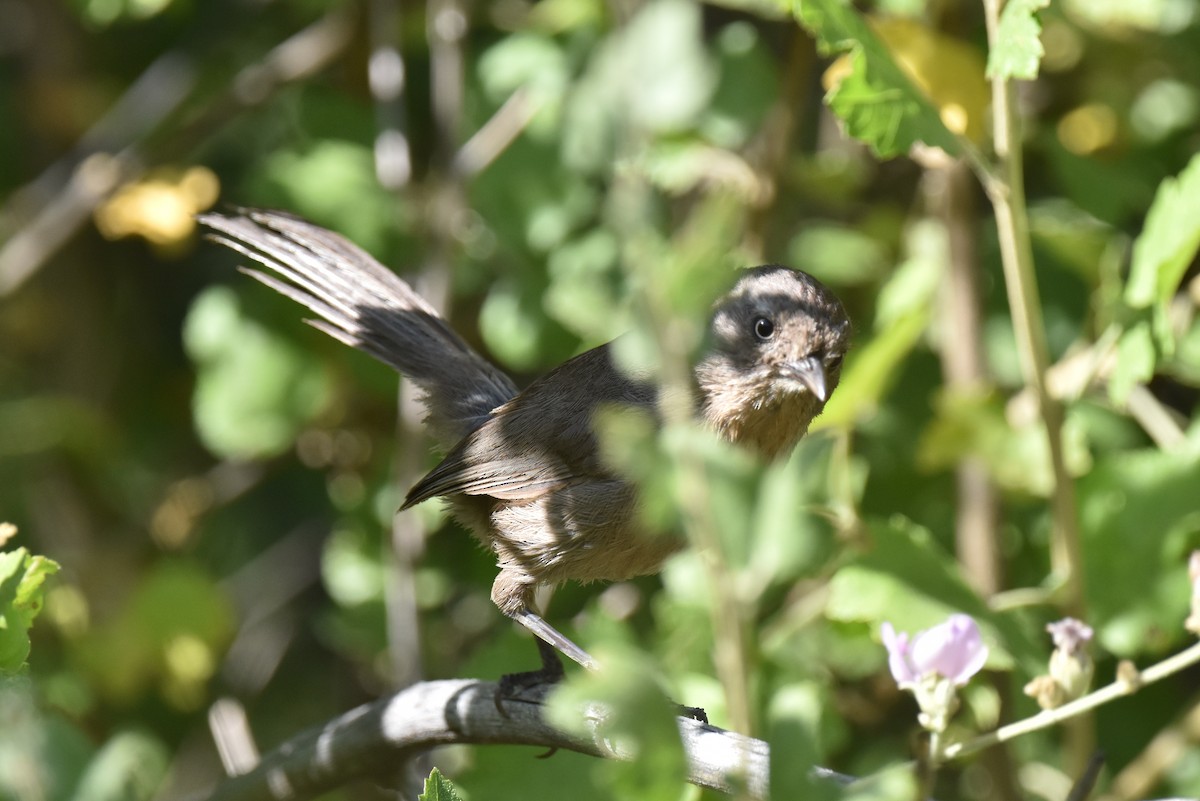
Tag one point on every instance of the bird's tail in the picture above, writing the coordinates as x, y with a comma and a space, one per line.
363, 304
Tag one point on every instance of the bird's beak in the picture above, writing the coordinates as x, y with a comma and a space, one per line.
809, 372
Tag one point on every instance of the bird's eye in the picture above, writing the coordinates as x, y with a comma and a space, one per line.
834, 361
764, 329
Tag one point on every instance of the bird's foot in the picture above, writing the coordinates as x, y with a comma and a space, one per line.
512, 686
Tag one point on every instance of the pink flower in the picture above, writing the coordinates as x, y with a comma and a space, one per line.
953, 650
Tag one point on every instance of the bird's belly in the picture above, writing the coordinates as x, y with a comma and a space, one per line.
584, 532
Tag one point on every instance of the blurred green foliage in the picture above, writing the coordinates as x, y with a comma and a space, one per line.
218, 482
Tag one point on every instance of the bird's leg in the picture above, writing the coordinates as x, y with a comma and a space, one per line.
550, 642
548, 635
514, 596
513, 593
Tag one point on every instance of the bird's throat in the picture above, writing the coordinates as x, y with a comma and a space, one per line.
770, 427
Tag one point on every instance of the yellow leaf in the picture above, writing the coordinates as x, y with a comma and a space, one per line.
950, 72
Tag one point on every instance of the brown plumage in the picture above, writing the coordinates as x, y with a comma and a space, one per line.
522, 469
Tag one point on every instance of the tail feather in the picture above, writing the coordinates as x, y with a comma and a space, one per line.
367, 306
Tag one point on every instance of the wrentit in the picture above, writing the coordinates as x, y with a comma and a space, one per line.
522, 469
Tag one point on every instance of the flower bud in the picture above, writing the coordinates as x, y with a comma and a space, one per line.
1070, 665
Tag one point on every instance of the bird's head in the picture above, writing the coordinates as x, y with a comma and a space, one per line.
777, 342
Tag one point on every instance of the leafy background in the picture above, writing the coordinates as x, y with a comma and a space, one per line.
217, 482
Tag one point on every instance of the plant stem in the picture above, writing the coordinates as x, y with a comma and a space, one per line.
1012, 222
928, 767
1016, 252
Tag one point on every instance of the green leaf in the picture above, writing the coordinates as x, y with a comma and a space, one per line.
129, 767
639, 722
169, 635
41, 752
333, 181
254, 390
875, 99
1169, 241
908, 580
1018, 49
508, 323
870, 372
839, 254
903, 314
653, 76
1136, 358
793, 733
893, 783
21, 578
1138, 519
787, 540
438, 788
972, 423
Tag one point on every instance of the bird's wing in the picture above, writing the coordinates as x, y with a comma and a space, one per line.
507, 476
539, 441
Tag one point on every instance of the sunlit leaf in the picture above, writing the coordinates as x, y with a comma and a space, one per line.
787, 540
945, 69
505, 323
535, 64
1018, 50
838, 254
1121, 18
747, 87
904, 313
1169, 240
870, 372
168, 636
681, 166
584, 292
22, 576
874, 98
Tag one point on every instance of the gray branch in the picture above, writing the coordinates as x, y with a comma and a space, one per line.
377, 738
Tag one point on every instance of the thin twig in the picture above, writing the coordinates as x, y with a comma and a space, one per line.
1087, 781
495, 135
231, 733
98, 174
1051, 717
1155, 418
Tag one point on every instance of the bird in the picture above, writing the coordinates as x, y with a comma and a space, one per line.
522, 468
